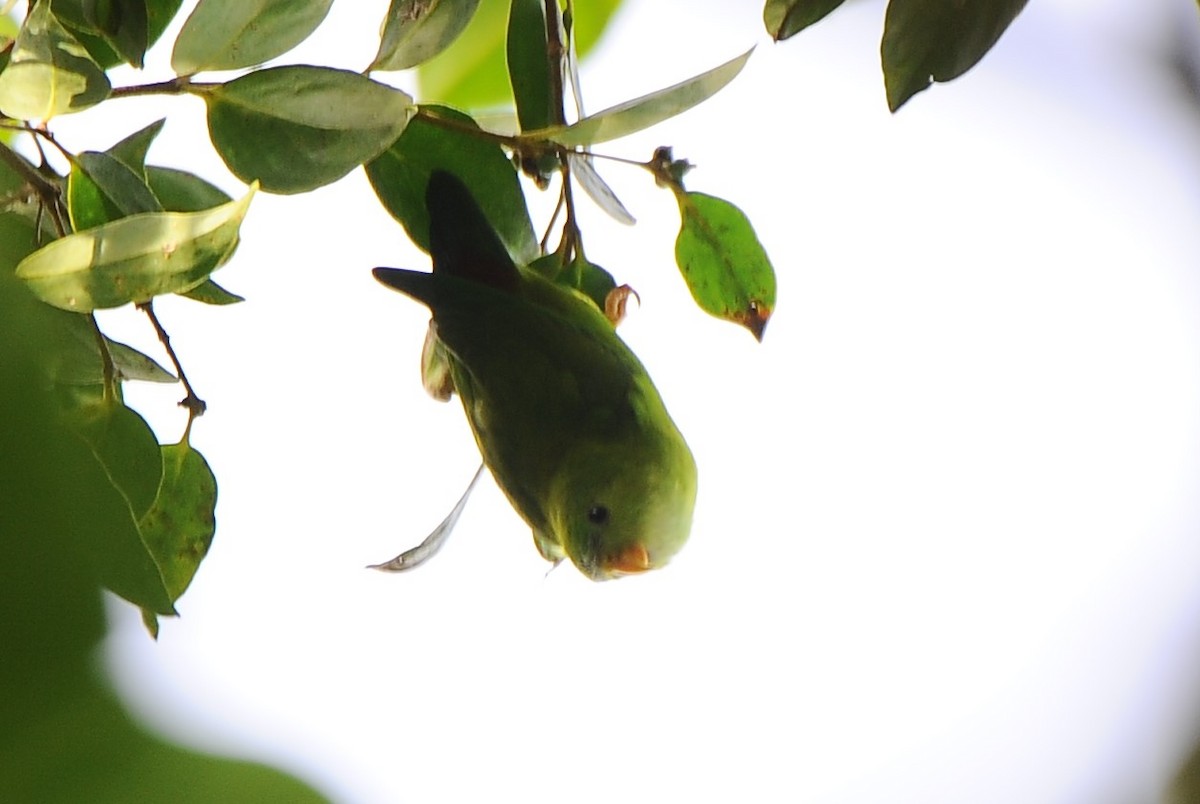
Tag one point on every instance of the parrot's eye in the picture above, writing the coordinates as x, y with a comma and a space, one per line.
598, 515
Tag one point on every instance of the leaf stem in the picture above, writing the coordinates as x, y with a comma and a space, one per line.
194, 404
106, 361
176, 86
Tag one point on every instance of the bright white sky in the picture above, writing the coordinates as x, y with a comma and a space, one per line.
945, 548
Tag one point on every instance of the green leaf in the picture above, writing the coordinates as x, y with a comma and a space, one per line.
79, 356
723, 262
126, 448
785, 18
209, 292
102, 188
937, 40
232, 34
399, 176
529, 69
298, 128
124, 24
134, 259
178, 528
648, 110
133, 149
415, 31
180, 191
75, 14
471, 72
49, 72
124, 462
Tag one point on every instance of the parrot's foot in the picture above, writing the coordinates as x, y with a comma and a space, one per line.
416, 556
615, 301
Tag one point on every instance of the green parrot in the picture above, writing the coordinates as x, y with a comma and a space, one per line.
565, 416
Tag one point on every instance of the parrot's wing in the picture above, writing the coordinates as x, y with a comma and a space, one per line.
461, 240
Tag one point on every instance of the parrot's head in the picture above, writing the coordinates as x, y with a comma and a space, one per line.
619, 512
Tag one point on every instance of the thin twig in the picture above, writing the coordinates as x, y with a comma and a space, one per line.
175, 86
194, 404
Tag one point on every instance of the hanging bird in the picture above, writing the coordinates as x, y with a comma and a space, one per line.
565, 416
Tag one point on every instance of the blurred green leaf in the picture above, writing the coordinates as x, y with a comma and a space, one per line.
529, 69
471, 72
648, 110
937, 40
209, 292
399, 176
134, 259
415, 31
124, 453
49, 72
232, 34
299, 128
133, 149
723, 262
102, 188
785, 18
79, 355
179, 526
591, 280
75, 13
125, 446
180, 191
65, 737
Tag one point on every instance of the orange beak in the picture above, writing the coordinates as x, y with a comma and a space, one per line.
633, 558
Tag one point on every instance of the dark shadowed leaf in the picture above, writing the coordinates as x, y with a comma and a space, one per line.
125, 446
723, 263
126, 454
124, 24
648, 110
785, 18
471, 72
102, 188
298, 128
400, 173
180, 191
231, 34
49, 73
937, 40
415, 31
529, 69
134, 259
133, 149
75, 14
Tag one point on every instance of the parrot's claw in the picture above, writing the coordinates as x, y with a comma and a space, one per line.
615, 301
416, 556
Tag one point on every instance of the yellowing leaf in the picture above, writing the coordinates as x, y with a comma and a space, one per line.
134, 259
49, 73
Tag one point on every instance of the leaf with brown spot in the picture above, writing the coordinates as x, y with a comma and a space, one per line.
178, 528
724, 264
